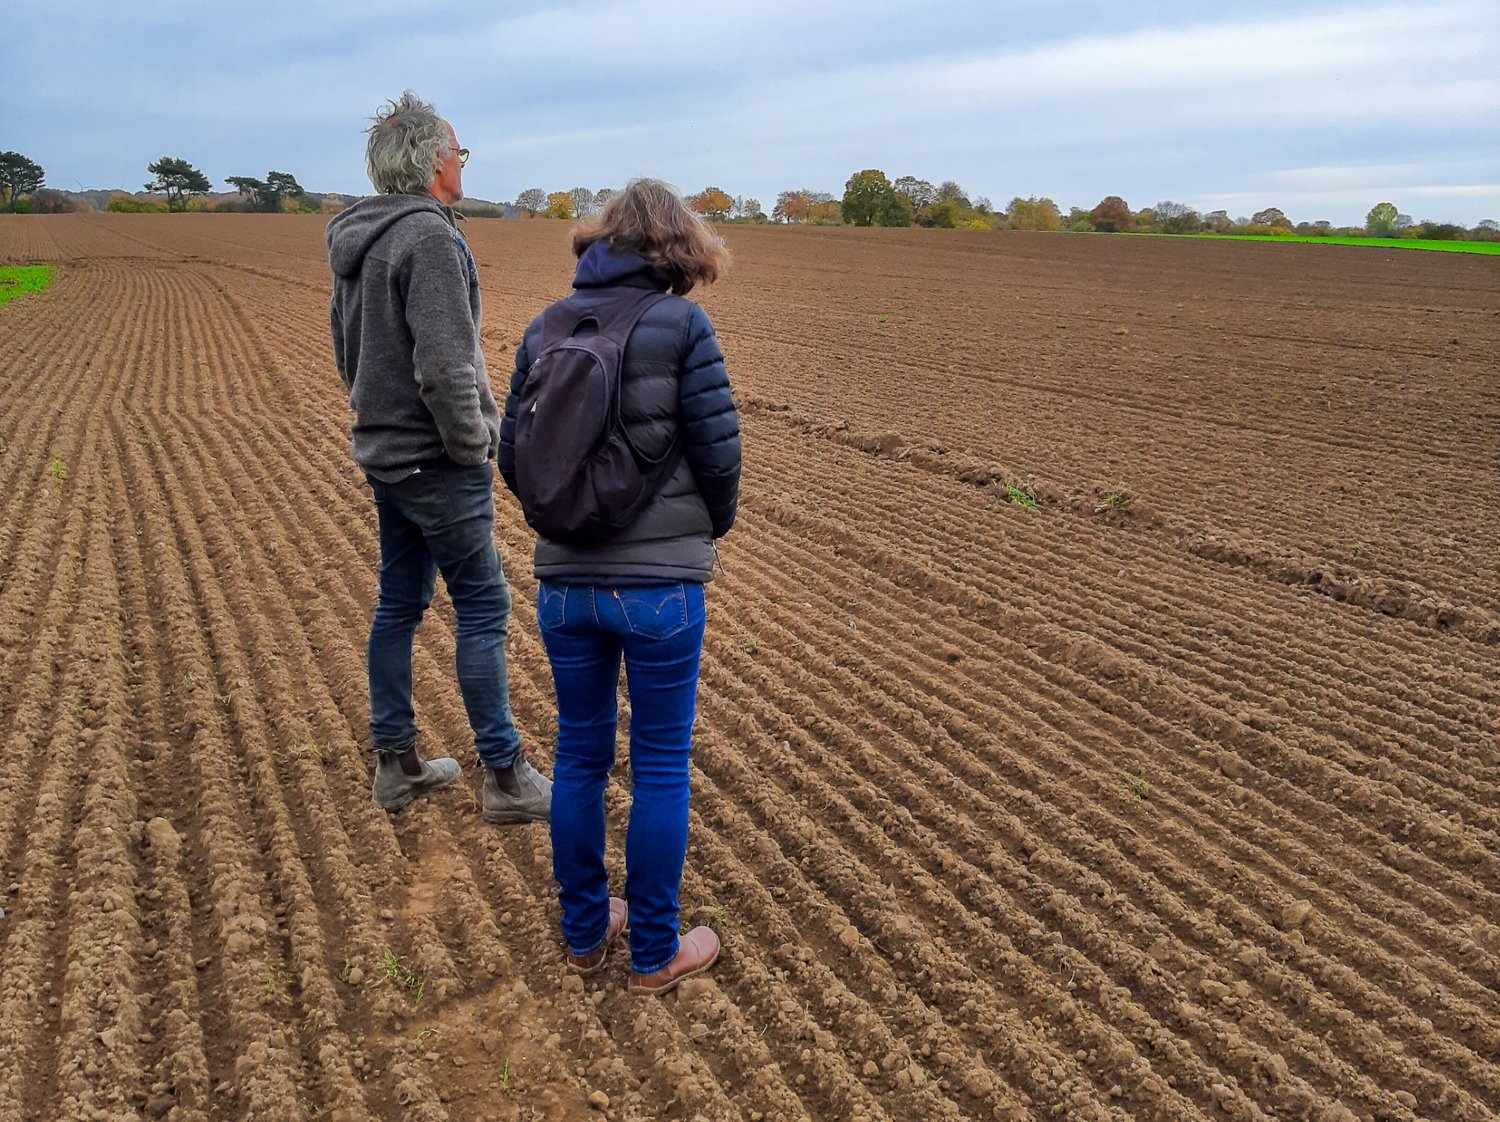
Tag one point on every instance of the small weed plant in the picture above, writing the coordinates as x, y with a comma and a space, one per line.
1138, 789
396, 971
1023, 497
277, 980
56, 470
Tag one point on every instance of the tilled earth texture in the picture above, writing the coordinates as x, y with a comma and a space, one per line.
1098, 716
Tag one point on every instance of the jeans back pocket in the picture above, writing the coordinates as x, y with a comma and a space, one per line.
656, 611
551, 605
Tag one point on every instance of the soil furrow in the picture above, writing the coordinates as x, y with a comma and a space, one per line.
1104, 780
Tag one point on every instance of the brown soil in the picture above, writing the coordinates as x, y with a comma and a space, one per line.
1174, 797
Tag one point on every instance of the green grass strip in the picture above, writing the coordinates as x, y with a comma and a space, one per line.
1383, 243
20, 280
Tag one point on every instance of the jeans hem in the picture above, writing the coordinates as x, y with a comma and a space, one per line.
602, 940
676, 946
400, 746
485, 758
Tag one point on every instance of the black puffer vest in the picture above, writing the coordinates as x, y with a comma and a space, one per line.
673, 377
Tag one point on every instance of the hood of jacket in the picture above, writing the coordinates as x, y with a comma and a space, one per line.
601, 267
354, 230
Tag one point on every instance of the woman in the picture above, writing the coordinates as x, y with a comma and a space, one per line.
640, 592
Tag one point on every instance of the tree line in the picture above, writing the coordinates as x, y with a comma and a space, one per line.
869, 199
21, 180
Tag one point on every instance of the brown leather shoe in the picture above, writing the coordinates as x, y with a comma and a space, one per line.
593, 962
696, 952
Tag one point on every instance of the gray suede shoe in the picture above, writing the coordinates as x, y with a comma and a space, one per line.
515, 795
393, 788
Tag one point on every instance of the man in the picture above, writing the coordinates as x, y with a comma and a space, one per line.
405, 316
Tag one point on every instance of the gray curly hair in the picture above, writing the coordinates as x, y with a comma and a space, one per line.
407, 140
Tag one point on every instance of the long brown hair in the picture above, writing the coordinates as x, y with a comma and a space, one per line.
650, 218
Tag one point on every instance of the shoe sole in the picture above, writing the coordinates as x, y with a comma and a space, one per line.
512, 818
657, 991
588, 971
403, 802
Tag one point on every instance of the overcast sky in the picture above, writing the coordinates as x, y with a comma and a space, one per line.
1321, 109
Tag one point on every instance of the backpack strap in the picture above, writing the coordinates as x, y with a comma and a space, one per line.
613, 317
621, 321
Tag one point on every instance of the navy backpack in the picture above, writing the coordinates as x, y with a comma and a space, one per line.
579, 477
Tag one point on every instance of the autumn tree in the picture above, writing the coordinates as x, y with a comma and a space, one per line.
869, 200
582, 201
19, 176
823, 209
602, 196
1033, 214
559, 205
1078, 221
1381, 221
792, 206
177, 179
950, 192
532, 201
946, 214
1271, 216
1112, 216
1177, 218
916, 191
713, 203
44, 200
1218, 221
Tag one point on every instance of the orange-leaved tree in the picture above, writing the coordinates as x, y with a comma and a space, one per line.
792, 206
1112, 216
712, 202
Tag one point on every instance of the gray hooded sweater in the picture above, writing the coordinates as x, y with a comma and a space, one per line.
405, 319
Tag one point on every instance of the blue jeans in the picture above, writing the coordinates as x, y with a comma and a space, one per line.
659, 630
441, 520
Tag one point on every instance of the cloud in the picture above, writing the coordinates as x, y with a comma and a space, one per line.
1366, 194
1385, 63
1075, 100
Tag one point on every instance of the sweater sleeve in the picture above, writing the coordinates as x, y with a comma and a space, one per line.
445, 342
336, 328
710, 425
507, 458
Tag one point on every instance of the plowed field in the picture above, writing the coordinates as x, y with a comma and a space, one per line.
1173, 796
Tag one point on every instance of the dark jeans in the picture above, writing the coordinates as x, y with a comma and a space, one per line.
659, 630
441, 520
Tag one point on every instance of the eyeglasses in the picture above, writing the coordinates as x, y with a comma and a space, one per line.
463, 156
